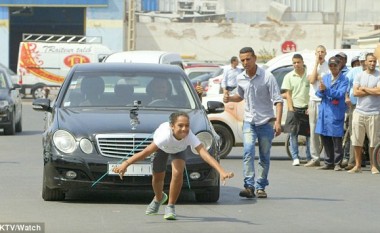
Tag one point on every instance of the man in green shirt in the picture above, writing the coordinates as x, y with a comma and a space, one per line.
297, 85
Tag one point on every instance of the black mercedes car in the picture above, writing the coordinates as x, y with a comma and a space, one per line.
10, 104
106, 112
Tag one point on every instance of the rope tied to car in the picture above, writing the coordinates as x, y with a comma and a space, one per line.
125, 158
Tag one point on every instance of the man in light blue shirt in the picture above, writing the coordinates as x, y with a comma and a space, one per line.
351, 100
260, 91
230, 74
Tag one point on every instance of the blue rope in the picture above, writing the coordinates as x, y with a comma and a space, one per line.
187, 178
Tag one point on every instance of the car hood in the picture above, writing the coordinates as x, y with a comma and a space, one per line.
95, 121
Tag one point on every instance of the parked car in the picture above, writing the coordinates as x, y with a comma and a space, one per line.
104, 113
203, 79
195, 69
10, 104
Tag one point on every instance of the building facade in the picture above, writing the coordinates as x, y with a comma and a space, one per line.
264, 25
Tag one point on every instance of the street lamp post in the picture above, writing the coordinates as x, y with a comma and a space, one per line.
343, 20
335, 21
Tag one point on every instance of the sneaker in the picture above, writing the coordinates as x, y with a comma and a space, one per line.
313, 163
296, 162
247, 192
261, 193
338, 168
170, 213
154, 206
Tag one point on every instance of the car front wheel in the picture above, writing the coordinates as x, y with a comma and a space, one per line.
51, 194
226, 140
19, 125
11, 128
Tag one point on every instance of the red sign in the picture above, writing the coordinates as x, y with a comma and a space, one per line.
75, 59
288, 46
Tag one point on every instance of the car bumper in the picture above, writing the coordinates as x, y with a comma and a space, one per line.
92, 174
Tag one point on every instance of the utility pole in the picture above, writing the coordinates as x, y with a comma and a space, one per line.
335, 22
343, 20
131, 34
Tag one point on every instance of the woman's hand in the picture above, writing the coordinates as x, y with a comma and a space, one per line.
226, 175
121, 169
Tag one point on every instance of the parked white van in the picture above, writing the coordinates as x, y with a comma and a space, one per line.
146, 56
45, 59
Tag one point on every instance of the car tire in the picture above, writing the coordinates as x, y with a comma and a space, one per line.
226, 140
19, 125
210, 195
11, 129
38, 92
51, 194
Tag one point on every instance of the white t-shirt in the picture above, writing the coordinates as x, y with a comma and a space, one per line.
164, 139
322, 70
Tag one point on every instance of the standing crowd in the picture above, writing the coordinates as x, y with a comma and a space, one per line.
334, 90
320, 100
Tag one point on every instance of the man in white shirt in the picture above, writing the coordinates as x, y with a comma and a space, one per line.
320, 68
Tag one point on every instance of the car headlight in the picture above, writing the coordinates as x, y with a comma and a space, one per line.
86, 146
64, 141
206, 139
4, 104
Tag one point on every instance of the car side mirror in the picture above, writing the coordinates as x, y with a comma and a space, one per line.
215, 107
16, 86
42, 105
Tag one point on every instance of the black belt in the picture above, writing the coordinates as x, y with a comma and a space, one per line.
300, 110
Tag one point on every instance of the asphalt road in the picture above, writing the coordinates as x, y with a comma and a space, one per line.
299, 199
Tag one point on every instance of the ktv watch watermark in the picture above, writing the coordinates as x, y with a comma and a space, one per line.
22, 227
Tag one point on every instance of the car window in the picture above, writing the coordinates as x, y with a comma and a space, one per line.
117, 90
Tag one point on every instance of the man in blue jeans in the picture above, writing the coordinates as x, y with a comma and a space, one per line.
260, 91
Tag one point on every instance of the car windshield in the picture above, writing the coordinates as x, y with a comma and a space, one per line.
153, 90
3, 83
10, 72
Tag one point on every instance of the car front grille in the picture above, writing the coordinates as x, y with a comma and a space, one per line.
122, 145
